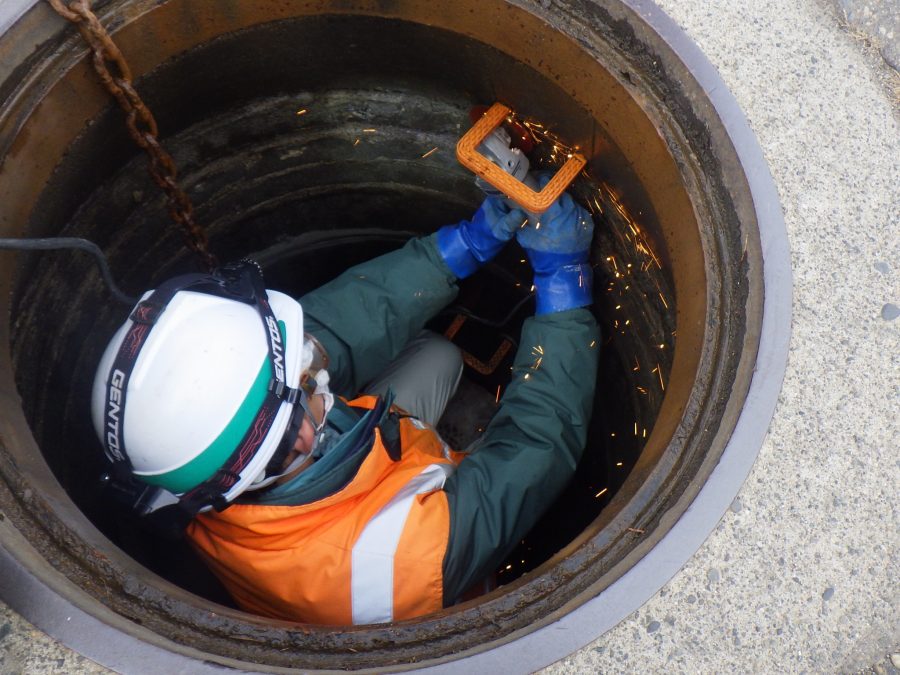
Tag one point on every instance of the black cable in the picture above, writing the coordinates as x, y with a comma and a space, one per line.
459, 309
54, 243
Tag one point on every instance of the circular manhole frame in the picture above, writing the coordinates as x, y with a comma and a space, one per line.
633, 579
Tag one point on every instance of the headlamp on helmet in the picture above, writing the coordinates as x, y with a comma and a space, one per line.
198, 389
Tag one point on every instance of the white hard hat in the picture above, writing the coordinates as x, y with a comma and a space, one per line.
196, 397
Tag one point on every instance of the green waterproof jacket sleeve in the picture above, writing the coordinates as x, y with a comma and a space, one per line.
366, 316
529, 451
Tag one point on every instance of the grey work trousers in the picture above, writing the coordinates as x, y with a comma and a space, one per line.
423, 377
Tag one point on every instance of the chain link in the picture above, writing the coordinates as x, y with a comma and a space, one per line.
115, 75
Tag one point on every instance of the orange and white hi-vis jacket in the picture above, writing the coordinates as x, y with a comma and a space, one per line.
371, 552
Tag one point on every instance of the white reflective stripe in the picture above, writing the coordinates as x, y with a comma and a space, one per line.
372, 566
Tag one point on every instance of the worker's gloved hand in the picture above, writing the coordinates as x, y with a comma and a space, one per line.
471, 243
557, 244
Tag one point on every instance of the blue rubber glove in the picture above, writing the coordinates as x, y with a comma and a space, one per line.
471, 243
558, 244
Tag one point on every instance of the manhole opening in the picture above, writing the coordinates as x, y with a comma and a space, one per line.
309, 195
634, 305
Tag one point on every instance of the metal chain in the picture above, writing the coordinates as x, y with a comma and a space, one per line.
115, 75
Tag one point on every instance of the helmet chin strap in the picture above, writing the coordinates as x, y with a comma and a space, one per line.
265, 481
321, 380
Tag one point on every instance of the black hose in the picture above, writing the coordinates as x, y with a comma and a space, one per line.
54, 243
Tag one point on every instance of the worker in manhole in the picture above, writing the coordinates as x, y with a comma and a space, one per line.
219, 398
